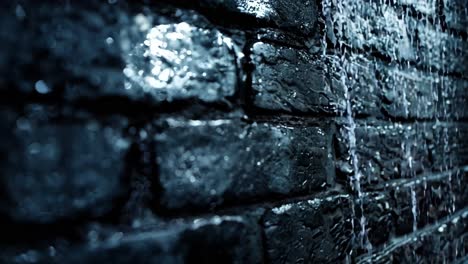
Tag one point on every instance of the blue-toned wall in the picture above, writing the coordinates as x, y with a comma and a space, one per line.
234, 131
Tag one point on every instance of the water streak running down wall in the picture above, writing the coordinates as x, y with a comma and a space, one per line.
234, 131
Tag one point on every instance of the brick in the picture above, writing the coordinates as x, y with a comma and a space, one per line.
62, 168
441, 50
350, 74
298, 16
398, 91
438, 198
388, 31
179, 61
64, 46
54, 169
455, 98
205, 163
291, 80
388, 151
456, 14
312, 231
443, 241
368, 26
408, 93
88, 50
327, 229
389, 211
226, 239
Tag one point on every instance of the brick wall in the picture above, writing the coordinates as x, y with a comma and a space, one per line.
235, 131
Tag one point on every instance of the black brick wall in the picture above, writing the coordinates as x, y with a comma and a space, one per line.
233, 131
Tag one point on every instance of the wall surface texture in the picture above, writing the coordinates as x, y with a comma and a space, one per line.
234, 131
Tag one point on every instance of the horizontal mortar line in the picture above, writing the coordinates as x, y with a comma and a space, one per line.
115, 104
177, 107
370, 120
413, 120
398, 242
409, 120
278, 209
277, 115
426, 177
371, 56
281, 43
227, 210
181, 105
135, 106
245, 206
284, 119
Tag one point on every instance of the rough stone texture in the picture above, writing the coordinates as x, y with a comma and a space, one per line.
291, 80
388, 31
398, 91
299, 16
203, 163
233, 131
363, 25
441, 50
314, 227
456, 14
178, 61
389, 211
390, 151
321, 229
53, 169
217, 239
444, 241
311, 231
93, 49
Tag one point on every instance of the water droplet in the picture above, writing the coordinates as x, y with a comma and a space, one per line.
109, 40
41, 87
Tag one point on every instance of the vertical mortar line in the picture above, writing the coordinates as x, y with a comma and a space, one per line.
246, 92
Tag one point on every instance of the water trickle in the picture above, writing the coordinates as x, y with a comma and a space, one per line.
414, 208
409, 172
347, 77
413, 56
447, 164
